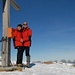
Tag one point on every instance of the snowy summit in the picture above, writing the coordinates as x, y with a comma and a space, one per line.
44, 69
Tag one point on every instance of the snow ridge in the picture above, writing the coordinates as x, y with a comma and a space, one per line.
45, 69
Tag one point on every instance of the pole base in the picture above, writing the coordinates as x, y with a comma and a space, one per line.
12, 68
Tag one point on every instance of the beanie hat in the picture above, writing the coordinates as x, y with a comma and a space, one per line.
19, 25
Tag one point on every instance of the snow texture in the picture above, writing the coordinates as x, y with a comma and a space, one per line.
44, 69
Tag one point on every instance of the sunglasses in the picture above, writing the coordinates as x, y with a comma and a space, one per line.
24, 24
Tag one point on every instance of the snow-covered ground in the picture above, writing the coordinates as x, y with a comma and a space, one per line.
44, 69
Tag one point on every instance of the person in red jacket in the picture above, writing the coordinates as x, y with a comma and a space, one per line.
26, 34
18, 43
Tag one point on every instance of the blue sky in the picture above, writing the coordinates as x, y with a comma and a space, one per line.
53, 26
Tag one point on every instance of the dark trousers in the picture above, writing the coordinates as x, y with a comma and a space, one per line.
27, 51
20, 51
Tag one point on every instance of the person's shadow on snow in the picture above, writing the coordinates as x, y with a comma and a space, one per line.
32, 64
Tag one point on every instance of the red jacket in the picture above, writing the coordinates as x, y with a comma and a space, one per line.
27, 33
17, 38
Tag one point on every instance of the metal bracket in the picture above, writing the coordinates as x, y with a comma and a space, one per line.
3, 39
